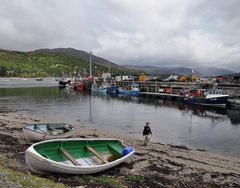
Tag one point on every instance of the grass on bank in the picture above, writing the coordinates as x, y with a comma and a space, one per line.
136, 179
103, 180
14, 177
25, 180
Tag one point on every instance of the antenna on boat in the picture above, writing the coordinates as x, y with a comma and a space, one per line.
108, 67
90, 68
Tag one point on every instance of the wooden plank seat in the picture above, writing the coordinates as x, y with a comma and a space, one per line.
98, 155
114, 150
69, 157
53, 131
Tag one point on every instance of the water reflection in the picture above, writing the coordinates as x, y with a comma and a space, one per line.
213, 129
216, 114
234, 116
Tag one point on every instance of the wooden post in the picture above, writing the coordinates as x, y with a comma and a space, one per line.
97, 154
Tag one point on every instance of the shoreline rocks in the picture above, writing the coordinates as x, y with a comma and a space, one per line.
155, 165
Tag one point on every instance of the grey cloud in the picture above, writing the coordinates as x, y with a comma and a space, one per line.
147, 32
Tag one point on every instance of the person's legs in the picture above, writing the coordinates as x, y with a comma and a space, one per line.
146, 140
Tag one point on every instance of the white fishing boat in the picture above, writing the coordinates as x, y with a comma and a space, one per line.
45, 131
76, 156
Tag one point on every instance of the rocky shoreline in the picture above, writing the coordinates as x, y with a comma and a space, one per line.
155, 165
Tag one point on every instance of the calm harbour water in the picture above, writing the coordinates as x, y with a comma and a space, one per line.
215, 130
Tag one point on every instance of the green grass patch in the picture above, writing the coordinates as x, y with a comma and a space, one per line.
104, 180
26, 180
136, 179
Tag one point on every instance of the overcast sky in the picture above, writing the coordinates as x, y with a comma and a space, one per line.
139, 32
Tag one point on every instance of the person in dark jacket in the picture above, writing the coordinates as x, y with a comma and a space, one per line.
146, 132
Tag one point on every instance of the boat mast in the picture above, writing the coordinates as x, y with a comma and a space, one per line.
90, 53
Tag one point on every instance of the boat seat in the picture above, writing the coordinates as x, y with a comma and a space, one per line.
68, 128
98, 155
115, 151
53, 130
69, 157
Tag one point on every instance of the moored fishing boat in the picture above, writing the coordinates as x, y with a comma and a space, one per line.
112, 89
76, 156
233, 103
103, 88
130, 90
64, 83
212, 97
94, 87
45, 131
79, 86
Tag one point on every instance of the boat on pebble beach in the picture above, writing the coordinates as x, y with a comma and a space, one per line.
45, 131
76, 156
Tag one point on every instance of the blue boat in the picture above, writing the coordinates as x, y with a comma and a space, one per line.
113, 89
102, 89
94, 87
132, 90
212, 97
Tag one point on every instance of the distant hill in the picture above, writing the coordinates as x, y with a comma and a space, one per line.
58, 61
213, 71
79, 54
54, 62
200, 71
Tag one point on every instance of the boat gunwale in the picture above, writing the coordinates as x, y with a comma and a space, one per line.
70, 130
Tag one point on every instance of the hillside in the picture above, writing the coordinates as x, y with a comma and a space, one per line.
200, 71
54, 62
58, 61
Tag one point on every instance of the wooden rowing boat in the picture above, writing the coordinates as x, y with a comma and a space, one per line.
46, 131
76, 156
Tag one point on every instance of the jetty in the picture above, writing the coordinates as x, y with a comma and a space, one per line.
173, 90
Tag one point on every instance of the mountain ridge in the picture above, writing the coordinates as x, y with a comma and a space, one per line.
200, 71
46, 57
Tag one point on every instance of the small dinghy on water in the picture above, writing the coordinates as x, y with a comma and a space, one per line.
76, 156
46, 131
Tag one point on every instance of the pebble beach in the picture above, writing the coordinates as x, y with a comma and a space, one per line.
154, 165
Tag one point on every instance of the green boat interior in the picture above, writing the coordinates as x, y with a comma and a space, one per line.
81, 153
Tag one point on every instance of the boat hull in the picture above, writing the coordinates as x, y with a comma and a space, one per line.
215, 101
41, 164
233, 103
133, 93
113, 90
79, 87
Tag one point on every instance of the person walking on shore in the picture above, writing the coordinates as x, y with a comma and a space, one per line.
146, 132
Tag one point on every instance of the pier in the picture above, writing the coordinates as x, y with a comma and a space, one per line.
162, 96
171, 90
